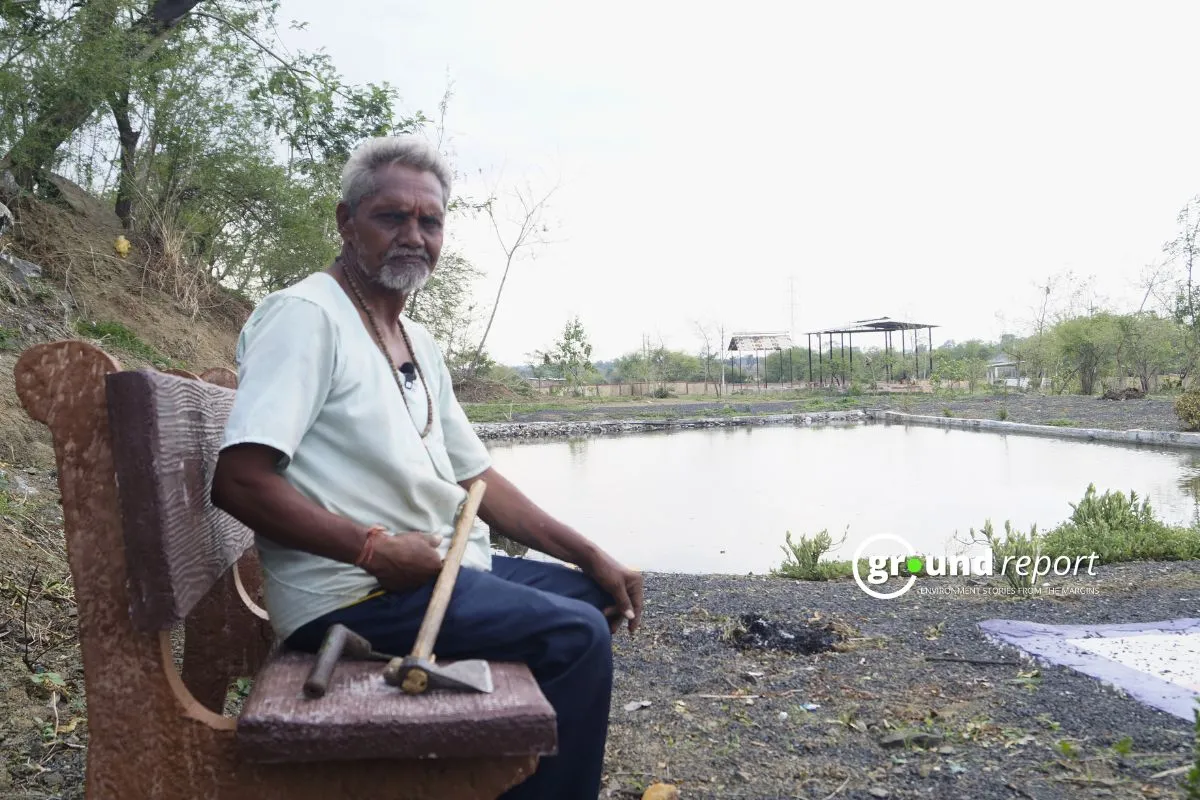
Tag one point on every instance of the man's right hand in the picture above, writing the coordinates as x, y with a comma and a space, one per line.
405, 561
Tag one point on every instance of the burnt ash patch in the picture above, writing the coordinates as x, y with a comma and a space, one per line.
756, 632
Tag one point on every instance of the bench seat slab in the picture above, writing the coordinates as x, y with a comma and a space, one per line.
362, 717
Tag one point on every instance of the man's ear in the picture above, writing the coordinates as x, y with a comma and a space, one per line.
344, 220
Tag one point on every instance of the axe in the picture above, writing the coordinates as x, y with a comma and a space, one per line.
417, 672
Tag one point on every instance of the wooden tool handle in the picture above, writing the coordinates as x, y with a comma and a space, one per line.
327, 658
423, 648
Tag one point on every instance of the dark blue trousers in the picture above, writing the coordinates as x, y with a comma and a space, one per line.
544, 615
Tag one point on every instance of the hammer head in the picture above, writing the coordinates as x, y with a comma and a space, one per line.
416, 675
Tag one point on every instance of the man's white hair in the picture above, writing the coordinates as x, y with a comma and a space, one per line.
358, 176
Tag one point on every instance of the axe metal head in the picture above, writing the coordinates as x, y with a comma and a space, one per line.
416, 675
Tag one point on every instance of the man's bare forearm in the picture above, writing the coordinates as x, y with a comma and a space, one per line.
247, 487
506, 510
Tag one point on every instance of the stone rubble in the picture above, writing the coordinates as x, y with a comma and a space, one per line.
540, 430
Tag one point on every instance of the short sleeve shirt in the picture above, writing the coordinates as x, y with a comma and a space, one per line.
313, 385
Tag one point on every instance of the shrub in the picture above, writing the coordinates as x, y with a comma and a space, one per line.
1014, 544
661, 393
1187, 408
1114, 527
1002, 414
802, 559
947, 412
1120, 528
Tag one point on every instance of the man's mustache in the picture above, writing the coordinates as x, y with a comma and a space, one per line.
419, 255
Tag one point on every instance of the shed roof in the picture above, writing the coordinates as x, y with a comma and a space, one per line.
875, 325
760, 341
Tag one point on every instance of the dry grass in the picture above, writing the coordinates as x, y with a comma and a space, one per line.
152, 295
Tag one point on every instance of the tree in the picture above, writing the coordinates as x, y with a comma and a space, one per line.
1148, 346
444, 304
96, 70
526, 230
1088, 347
569, 357
1182, 254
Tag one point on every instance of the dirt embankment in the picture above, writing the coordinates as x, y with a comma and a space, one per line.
141, 309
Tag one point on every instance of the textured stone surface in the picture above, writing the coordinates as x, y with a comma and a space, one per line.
149, 737
363, 717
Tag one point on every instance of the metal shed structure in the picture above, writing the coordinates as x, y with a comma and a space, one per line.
761, 342
884, 325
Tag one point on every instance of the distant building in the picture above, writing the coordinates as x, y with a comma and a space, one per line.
1004, 370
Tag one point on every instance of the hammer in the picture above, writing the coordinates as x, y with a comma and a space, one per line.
417, 672
338, 640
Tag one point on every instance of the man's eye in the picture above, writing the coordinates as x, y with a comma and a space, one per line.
432, 222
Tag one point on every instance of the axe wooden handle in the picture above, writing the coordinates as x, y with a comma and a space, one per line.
438, 602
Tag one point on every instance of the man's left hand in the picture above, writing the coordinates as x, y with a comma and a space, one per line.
625, 586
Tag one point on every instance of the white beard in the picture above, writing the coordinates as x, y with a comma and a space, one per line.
406, 279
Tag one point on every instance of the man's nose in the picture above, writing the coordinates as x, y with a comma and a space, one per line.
409, 234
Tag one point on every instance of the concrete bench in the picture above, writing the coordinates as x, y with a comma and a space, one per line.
136, 451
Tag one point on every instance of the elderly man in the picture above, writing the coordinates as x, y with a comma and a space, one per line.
348, 455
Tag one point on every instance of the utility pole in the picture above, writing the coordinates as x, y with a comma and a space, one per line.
792, 301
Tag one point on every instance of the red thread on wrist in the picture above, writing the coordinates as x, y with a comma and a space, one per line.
368, 548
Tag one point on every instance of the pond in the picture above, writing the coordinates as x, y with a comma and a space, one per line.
719, 500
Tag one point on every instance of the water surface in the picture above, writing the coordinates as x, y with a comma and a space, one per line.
721, 499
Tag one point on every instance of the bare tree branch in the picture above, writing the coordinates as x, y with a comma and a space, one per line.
526, 236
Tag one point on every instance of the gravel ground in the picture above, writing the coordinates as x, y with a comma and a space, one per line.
1155, 413
999, 728
723, 721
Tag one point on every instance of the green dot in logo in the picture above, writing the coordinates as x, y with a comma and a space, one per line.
914, 564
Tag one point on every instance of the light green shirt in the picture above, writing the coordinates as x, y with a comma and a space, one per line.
313, 385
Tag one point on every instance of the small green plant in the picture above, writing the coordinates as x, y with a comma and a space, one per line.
117, 335
802, 559
49, 681
9, 338
1015, 545
1123, 746
947, 411
1187, 408
1002, 414
1062, 423
661, 393
1067, 749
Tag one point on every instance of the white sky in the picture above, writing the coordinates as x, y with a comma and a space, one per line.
916, 160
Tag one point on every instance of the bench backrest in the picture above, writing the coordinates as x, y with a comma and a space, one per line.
167, 432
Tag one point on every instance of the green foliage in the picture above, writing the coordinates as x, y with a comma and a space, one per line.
1124, 746
1014, 545
1002, 414
1119, 528
568, 358
114, 334
802, 559
1088, 348
1187, 408
9, 338
444, 307
1062, 423
1114, 527
1067, 748
229, 160
947, 411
